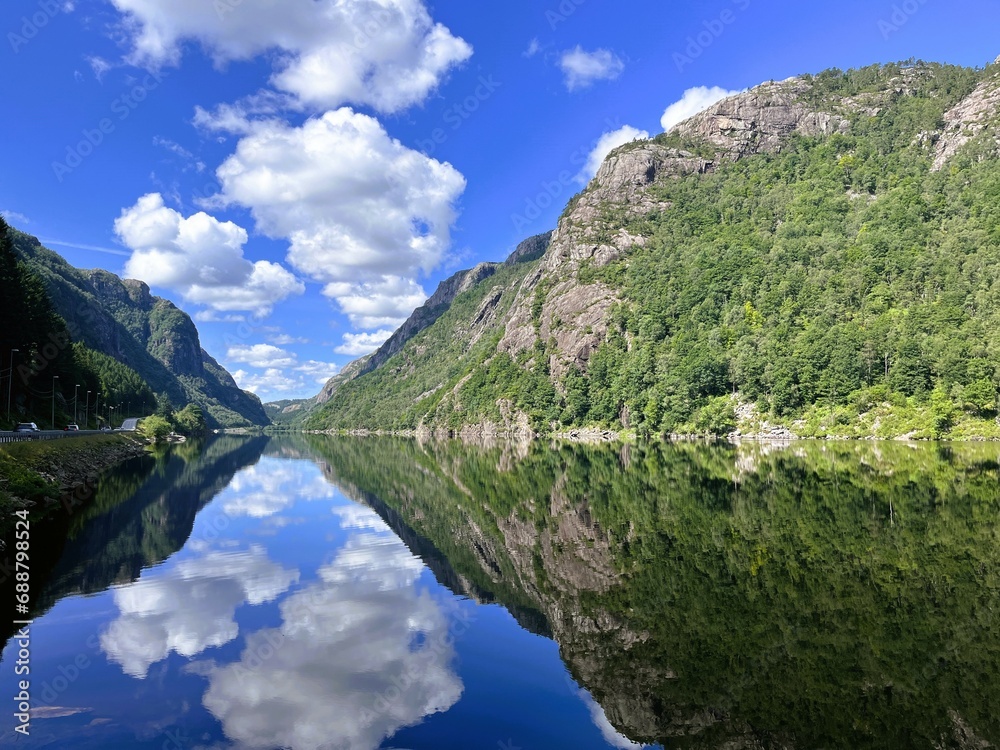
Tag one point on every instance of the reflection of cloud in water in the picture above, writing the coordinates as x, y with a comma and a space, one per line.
360, 654
611, 735
270, 487
191, 608
359, 517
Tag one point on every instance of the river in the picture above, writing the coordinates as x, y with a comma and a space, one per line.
317, 593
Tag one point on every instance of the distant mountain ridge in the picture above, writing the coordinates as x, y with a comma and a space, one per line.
122, 319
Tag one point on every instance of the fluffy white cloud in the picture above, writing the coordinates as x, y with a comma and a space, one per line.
317, 371
363, 213
191, 608
200, 257
270, 384
358, 656
388, 54
605, 145
583, 68
297, 379
239, 116
261, 355
386, 302
283, 339
693, 101
359, 344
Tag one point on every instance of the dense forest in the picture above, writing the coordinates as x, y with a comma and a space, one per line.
46, 373
840, 285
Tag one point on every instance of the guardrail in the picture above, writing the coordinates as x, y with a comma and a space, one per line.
20, 437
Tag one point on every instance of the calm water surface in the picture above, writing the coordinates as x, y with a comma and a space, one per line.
316, 593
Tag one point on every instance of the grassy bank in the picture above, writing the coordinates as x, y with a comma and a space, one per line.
34, 474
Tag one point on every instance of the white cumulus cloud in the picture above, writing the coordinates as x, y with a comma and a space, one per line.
387, 54
359, 344
605, 145
200, 257
583, 68
363, 214
261, 355
693, 101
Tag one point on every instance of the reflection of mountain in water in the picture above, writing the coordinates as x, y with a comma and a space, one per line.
818, 596
142, 512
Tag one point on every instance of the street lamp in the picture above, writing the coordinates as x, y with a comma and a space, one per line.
76, 414
11, 381
111, 417
97, 408
86, 413
54, 379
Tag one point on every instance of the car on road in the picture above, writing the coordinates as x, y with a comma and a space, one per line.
26, 427
71, 427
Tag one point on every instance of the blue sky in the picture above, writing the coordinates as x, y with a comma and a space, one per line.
298, 175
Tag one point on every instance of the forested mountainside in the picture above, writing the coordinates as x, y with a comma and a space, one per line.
821, 253
123, 321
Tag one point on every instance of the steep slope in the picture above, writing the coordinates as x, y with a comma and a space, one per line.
425, 316
122, 319
789, 253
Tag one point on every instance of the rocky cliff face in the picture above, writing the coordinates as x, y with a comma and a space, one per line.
122, 319
975, 115
762, 119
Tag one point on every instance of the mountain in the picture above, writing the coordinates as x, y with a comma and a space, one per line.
814, 256
121, 319
295, 411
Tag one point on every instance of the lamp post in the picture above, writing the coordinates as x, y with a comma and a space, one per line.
54, 379
111, 417
97, 408
86, 413
76, 414
11, 381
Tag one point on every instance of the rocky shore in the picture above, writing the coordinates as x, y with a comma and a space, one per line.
38, 475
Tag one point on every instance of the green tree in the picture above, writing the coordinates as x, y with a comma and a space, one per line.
155, 428
190, 420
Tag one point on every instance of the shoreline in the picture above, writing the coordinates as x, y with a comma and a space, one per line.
39, 475
596, 435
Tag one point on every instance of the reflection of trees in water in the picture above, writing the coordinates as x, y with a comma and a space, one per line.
141, 513
823, 595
